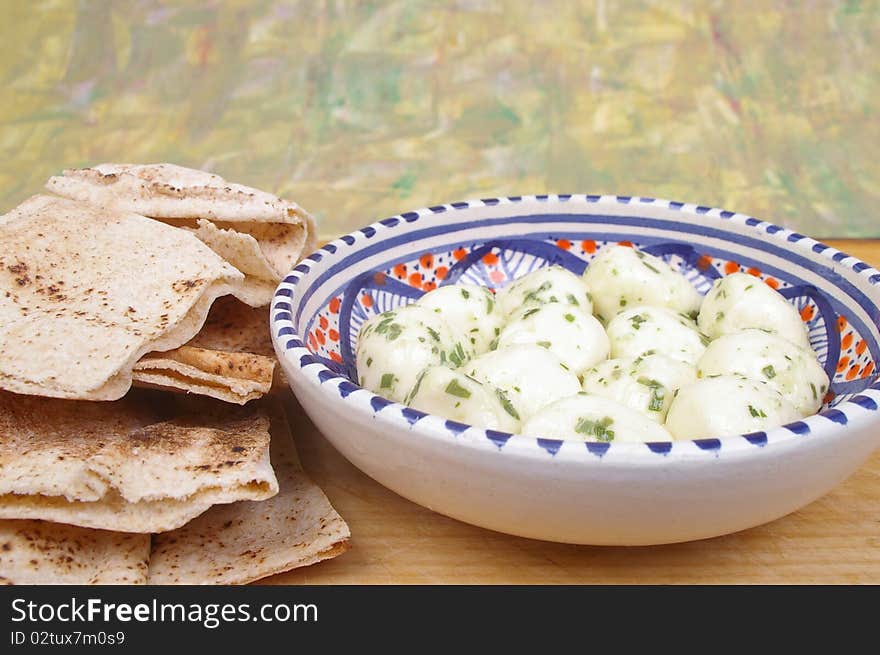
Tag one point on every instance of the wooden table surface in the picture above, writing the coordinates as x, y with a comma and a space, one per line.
394, 541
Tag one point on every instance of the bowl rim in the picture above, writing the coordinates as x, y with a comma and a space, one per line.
290, 345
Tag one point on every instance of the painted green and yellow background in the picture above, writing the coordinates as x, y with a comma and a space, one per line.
360, 110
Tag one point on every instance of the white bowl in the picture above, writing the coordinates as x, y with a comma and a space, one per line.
576, 492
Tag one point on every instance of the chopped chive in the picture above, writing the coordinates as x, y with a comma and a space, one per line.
648, 266
704, 339
506, 404
387, 381
457, 355
813, 389
756, 413
415, 389
599, 429
658, 393
769, 372
569, 318
490, 304
434, 334
572, 300
455, 389
530, 312
637, 321
544, 344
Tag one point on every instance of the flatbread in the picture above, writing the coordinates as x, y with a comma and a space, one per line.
85, 292
260, 234
127, 466
231, 358
229, 376
247, 541
233, 326
37, 552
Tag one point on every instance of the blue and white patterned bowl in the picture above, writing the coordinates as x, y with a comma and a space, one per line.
589, 493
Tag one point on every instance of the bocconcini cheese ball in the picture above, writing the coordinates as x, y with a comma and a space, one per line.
544, 285
395, 346
576, 338
471, 312
741, 301
530, 375
645, 384
452, 395
644, 330
792, 371
620, 277
585, 417
727, 405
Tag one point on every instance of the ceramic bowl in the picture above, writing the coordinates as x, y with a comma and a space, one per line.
576, 492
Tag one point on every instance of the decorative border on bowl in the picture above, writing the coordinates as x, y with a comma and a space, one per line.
292, 345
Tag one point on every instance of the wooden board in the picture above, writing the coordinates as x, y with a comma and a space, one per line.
834, 540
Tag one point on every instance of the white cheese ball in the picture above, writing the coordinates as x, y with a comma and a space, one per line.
471, 312
452, 395
576, 338
643, 330
395, 346
620, 277
645, 384
550, 284
725, 406
741, 301
792, 371
591, 418
531, 376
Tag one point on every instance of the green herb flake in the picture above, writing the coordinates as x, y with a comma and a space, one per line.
465, 294
572, 300
506, 404
756, 413
394, 331
598, 429
455, 389
544, 344
769, 372
637, 321
457, 356
813, 389
387, 381
658, 393
434, 334
415, 389
369, 362
622, 302
534, 293
569, 318
704, 339
719, 316
531, 312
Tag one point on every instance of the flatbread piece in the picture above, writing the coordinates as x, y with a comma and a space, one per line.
123, 466
85, 292
247, 541
37, 552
